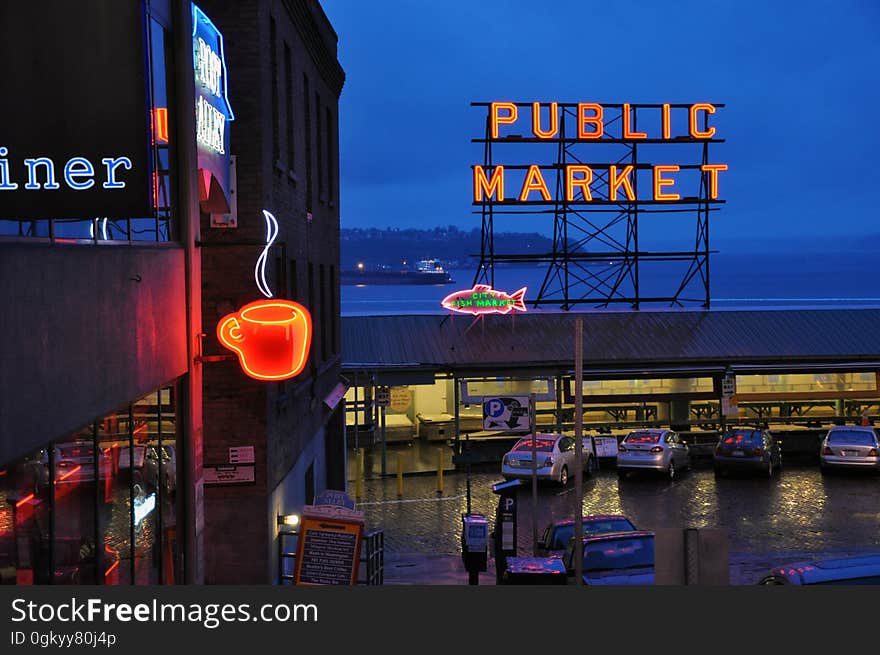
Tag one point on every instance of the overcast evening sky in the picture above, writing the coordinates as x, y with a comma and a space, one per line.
799, 81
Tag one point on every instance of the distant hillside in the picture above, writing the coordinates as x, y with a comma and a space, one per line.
456, 248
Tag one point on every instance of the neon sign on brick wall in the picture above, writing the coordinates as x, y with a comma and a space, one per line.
213, 111
271, 337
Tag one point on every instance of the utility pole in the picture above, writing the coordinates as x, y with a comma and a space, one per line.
532, 429
578, 448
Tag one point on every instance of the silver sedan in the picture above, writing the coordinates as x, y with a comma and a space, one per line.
850, 446
654, 450
556, 458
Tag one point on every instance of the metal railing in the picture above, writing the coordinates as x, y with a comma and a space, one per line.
373, 558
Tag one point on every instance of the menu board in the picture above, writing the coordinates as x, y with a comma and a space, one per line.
329, 548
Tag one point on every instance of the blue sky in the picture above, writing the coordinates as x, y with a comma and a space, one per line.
799, 81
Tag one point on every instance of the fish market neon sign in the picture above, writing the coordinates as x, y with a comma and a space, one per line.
483, 299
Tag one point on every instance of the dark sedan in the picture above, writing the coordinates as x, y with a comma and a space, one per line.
749, 450
557, 535
623, 558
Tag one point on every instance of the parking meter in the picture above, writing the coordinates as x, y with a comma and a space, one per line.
474, 544
505, 525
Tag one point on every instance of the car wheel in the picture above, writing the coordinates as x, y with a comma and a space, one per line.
770, 468
670, 470
563, 476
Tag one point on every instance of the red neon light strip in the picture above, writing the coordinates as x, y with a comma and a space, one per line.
68, 474
112, 568
24, 500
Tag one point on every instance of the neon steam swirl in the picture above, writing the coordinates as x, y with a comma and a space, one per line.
260, 268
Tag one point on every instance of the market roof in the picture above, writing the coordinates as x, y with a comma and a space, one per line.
612, 339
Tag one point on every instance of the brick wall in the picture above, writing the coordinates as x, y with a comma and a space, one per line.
278, 418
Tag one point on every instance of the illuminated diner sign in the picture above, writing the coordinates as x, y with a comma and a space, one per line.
271, 337
213, 111
74, 123
483, 299
583, 182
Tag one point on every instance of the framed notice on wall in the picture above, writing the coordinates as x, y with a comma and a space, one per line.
329, 548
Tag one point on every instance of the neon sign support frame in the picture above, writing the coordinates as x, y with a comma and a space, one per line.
597, 257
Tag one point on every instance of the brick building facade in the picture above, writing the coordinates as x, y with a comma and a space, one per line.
284, 82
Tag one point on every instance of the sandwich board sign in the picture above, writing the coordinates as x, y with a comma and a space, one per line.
329, 546
506, 413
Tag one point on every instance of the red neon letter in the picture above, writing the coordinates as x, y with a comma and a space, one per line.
534, 182
615, 181
713, 169
667, 123
483, 185
584, 182
660, 182
160, 116
627, 132
496, 119
536, 121
695, 131
595, 120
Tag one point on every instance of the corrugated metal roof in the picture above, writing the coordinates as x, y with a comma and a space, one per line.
612, 339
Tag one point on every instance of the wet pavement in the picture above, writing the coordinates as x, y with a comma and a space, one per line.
796, 515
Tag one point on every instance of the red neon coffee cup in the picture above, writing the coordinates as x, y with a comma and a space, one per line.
271, 337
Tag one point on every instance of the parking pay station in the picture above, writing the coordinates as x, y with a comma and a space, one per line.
474, 545
505, 525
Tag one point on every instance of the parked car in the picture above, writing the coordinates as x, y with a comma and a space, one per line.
849, 446
653, 449
558, 534
747, 449
75, 463
534, 570
556, 458
169, 468
623, 558
862, 570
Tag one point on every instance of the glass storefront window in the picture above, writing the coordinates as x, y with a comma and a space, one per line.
97, 506
24, 520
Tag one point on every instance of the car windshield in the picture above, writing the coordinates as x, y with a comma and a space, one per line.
619, 554
643, 437
543, 445
855, 437
740, 437
564, 533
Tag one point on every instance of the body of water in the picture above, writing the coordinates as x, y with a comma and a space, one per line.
738, 280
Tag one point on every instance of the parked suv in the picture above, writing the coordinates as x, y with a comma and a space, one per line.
850, 446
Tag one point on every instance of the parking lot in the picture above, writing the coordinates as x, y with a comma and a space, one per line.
799, 513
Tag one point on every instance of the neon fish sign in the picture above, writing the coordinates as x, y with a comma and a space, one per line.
483, 299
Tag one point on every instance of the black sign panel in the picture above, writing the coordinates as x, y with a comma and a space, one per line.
74, 116
328, 554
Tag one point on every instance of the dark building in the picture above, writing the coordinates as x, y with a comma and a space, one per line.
100, 399
285, 81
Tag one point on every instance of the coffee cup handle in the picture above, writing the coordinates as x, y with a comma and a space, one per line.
229, 332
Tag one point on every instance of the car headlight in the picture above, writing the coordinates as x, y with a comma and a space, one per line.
548, 461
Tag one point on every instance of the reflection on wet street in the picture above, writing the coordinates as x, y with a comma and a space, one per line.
799, 512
